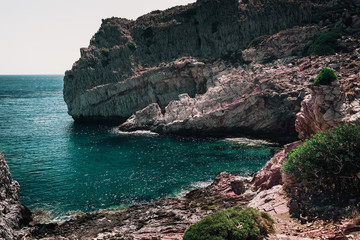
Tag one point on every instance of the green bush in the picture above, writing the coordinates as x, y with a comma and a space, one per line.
132, 45
328, 163
257, 41
326, 77
237, 223
203, 60
105, 52
148, 32
326, 43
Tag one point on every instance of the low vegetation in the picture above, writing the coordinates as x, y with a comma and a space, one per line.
326, 167
237, 223
326, 43
105, 52
148, 32
325, 77
257, 41
132, 45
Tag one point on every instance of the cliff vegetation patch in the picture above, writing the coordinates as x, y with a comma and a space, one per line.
325, 77
326, 43
257, 41
237, 223
132, 45
148, 32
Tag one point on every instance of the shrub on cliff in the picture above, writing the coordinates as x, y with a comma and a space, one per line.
132, 46
326, 167
325, 77
105, 52
237, 223
326, 43
257, 41
148, 32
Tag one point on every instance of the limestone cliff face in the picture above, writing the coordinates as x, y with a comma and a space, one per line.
250, 99
13, 215
328, 106
121, 71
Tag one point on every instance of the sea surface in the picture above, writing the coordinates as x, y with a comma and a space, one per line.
62, 166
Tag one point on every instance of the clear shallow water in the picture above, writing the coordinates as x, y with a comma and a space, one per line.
62, 166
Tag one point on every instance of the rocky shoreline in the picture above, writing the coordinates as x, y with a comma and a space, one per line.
210, 84
13, 215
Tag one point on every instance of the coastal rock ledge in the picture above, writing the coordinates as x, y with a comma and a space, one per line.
13, 215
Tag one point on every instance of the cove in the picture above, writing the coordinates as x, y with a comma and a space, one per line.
63, 166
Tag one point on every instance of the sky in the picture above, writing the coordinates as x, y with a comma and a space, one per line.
45, 36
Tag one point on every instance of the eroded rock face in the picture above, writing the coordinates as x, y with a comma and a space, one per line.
121, 71
289, 42
253, 98
270, 175
328, 106
13, 215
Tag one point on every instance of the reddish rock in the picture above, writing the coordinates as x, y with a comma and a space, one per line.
270, 175
272, 201
328, 106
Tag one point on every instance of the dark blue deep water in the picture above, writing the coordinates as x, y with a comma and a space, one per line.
62, 166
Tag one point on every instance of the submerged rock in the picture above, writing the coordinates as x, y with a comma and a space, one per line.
13, 215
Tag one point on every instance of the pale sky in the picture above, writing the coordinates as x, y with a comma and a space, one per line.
45, 36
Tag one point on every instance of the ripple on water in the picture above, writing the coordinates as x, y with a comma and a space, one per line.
62, 166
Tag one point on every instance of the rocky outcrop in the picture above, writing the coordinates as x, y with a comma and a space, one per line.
289, 42
270, 175
327, 106
13, 215
120, 72
167, 218
249, 99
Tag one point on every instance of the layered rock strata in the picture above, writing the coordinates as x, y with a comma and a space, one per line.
13, 215
253, 98
328, 106
120, 72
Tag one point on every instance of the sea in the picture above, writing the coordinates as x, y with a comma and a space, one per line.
63, 166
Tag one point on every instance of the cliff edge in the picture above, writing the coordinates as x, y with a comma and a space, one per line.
13, 215
127, 64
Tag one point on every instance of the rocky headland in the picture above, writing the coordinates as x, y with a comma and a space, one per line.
131, 64
13, 215
192, 70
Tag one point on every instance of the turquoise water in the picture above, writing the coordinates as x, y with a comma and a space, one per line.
64, 166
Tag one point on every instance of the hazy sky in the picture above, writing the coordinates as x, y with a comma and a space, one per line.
45, 36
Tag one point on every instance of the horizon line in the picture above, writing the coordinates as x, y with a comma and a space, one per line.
19, 74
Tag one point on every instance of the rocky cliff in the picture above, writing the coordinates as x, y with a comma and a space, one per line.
328, 106
126, 68
13, 215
